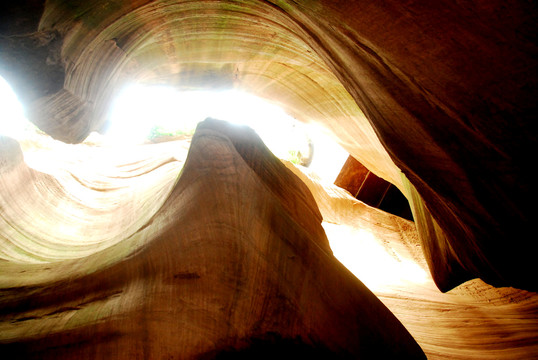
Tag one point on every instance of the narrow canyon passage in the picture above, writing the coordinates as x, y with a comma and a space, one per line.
143, 254
235, 254
113, 283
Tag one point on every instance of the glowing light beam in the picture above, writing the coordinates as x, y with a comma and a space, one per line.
13, 123
362, 254
139, 109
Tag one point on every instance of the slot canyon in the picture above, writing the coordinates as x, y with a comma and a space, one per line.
213, 247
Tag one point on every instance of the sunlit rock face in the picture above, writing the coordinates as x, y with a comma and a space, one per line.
235, 261
232, 261
436, 98
70, 193
448, 90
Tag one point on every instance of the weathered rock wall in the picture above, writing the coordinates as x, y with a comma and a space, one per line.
443, 93
235, 263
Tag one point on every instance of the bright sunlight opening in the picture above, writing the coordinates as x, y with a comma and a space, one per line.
142, 113
151, 114
13, 123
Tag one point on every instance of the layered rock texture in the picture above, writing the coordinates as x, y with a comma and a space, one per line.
438, 99
234, 263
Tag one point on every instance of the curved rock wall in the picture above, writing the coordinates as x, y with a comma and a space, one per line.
235, 263
438, 99
218, 232
78, 192
448, 90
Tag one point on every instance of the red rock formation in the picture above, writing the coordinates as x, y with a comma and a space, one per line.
448, 89
438, 98
235, 262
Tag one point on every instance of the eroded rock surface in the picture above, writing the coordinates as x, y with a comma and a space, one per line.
437, 99
235, 260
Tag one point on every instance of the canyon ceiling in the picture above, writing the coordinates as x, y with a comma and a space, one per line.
438, 98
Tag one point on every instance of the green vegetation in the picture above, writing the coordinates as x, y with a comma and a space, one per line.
294, 156
160, 132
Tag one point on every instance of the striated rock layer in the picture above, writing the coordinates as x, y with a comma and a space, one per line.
438, 99
472, 321
70, 307
73, 201
234, 264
